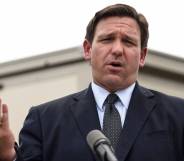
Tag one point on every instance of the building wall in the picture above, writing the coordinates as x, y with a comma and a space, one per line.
29, 82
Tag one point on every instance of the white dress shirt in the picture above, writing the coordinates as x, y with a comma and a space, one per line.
122, 104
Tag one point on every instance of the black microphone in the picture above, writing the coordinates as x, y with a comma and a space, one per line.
101, 146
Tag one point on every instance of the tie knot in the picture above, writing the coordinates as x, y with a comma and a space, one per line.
112, 98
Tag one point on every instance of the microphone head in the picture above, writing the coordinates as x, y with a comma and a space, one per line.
95, 137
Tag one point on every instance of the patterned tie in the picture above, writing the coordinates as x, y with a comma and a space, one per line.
112, 120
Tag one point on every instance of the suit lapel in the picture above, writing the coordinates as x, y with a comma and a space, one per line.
86, 116
141, 104
85, 112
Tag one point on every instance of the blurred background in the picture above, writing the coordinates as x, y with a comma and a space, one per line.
31, 27
41, 54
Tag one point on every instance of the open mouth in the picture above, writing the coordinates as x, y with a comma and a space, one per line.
116, 64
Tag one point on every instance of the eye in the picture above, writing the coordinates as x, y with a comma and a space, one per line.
129, 42
106, 39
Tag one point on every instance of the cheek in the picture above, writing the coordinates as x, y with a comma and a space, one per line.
95, 60
134, 61
97, 56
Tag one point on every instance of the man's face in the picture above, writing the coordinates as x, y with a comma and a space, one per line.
115, 53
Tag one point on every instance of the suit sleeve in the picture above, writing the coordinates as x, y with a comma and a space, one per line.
30, 138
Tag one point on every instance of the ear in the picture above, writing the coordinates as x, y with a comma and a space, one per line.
87, 49
143, 57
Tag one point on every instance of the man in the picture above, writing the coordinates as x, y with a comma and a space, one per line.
152, 123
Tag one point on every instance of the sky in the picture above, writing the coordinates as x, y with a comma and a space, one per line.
31, 27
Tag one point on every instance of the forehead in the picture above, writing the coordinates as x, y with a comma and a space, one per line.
123, 24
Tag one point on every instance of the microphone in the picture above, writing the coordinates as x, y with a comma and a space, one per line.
101, 146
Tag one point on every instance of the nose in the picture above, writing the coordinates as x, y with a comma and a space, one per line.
117, 48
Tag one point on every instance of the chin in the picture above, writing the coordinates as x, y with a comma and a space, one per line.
114, 79
113, 84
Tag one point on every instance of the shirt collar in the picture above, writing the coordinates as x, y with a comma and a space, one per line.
125, 95
101, 94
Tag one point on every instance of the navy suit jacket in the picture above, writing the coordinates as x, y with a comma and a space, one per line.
153, 129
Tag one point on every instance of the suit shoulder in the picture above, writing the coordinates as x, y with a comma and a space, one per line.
60, 102
163, 98
166, 97
166, 101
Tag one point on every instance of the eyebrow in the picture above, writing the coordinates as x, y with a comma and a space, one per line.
111, 34
131, 38
106, 35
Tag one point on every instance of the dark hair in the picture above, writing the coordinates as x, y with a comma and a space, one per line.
120, 10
